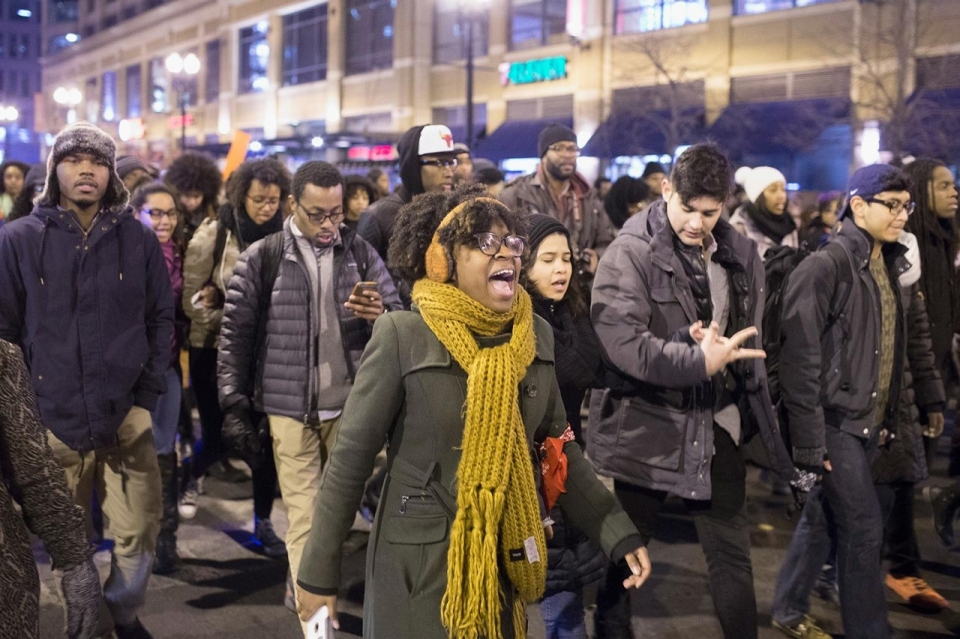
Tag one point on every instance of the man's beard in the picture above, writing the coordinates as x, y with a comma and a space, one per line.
556, 172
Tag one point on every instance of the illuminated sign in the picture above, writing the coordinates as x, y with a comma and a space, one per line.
175, 122
542, 70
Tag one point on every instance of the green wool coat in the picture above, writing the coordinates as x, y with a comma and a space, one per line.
410, 393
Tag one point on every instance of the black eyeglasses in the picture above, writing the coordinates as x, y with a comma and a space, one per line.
440, 164
564, 149
157, 214
894, 206
490, 244
319, 218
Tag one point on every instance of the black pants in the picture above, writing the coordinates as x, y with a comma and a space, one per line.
724, 536
896, 508
203, 378
264, 487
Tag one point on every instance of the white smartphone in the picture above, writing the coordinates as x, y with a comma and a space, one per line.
319, 626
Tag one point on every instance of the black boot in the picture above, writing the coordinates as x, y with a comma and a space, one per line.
167, 557
946, 507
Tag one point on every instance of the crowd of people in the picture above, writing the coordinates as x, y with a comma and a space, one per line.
702, 320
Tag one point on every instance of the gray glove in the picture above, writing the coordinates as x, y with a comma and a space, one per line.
81, 590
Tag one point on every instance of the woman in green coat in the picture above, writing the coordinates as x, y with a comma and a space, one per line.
462, 389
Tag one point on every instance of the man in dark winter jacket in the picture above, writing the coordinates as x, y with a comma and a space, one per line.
84, 291
674, 298
557, 190
841, 390
316, 329
428, 160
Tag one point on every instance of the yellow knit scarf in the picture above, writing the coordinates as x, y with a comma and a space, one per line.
497, 506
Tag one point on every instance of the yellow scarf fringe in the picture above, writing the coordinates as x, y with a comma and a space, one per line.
497, 507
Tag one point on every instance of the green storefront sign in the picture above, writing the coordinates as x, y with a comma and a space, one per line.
542, 70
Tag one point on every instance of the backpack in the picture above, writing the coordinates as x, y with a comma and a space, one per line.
779, 263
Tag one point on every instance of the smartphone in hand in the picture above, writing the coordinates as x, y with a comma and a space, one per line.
362, 287
319, 626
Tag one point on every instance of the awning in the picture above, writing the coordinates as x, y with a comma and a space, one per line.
932, 124
515, 139
771, 128
630, 134
459, 132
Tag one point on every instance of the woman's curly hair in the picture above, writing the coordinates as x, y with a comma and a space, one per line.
266, 171
418, 221
195, 172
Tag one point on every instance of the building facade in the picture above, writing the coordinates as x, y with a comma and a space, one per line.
810, 86
20, 48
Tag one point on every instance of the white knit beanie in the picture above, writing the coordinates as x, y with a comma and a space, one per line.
754, 181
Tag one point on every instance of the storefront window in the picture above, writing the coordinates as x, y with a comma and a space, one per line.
158, 86
747, 7
212, 71
134, 91
639, 16
108, 96
536, 23
254, 57
305, 46
369, 35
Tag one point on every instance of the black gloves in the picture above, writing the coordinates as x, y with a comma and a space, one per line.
81, 590
249, 440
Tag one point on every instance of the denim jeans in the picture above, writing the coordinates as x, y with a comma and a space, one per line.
846, 502
903, 553
166, 416
563, 615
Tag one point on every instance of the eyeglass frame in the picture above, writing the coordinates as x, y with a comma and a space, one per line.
317, 219
269, 201
501, 241
908, 206
565, 150
171, 214
441, 164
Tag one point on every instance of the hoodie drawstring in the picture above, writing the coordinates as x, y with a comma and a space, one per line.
43, 244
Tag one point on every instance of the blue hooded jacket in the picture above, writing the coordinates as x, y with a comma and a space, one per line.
94, 317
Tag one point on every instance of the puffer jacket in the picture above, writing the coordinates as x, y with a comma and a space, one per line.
658, 432
93, 313
281, 382
921, 390
573, 560
591, 229
198, 270
832, 380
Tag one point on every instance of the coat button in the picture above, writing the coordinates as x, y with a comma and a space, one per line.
40, 378
531, 390
874, 394
103, 228
866, 431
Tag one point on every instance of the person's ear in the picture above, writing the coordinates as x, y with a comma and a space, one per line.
666, 189
291, 201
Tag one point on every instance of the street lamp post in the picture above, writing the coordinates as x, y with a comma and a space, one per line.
68, 98
469, 10
8, 115
182, 69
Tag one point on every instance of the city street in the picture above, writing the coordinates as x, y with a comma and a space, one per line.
226, 589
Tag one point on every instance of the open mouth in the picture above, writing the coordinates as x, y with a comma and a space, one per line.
559, 285
502, 282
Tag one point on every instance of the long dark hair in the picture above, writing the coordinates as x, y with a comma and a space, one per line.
142, 194
574, 297
924, 221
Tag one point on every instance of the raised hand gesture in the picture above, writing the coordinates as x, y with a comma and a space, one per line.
718, 351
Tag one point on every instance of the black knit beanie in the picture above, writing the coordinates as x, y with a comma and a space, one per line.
651, 168
553, 133
540, 226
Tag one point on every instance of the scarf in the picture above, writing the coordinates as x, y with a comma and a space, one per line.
247, 230
776, 227
497, 507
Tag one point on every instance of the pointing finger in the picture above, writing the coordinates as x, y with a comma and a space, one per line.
740, 337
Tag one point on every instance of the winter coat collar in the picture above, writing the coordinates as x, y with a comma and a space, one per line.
860, 245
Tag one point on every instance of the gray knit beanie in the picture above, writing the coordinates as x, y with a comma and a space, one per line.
83, 137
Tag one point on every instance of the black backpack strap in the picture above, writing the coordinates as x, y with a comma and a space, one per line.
360, 256
271, 255
219, 246
841, 294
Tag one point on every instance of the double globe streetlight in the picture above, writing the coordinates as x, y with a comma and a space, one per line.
183, 68
8, 115
68, 98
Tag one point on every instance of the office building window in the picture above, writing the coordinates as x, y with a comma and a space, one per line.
450, 37
305, 46
369, 35
254, 57
159, 86
639, 16
63, 10
108, 96
130, 12
747, 7
535, 23
110, 21
134, 91
211, 82
18, 46
61, 42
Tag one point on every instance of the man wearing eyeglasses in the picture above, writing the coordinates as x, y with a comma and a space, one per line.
428, 160
841, 382
303, 279
558, 190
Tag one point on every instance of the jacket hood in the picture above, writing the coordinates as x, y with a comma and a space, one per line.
408, 148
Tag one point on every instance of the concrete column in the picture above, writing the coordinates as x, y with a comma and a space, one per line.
336, 36
274, 76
